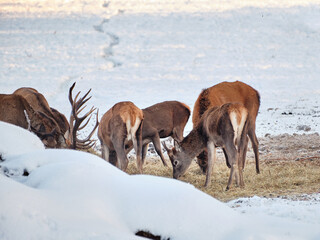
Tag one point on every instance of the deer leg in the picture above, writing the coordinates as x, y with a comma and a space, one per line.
144, 152
232, 156
241, 158
226, 156
137, 145
211, 159
157, 145
104, 152
244, 153
138, 154
255, 146
119, 146
202, 160
113, 159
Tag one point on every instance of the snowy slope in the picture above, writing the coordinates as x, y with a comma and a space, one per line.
66, 194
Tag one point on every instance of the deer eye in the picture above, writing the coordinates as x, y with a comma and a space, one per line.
175, 163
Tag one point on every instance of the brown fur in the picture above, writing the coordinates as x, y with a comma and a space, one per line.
14, 108
39, 103
229, 92
113, 133
215, 129
163, 120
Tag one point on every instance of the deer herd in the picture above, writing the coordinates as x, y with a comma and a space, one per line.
224, 116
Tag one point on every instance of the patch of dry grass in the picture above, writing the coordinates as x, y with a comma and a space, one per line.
277, 177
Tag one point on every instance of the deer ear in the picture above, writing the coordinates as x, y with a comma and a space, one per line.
169, 151
177, 146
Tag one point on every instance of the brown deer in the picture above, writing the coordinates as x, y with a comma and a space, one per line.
161, 120
39, 104
229, 92
119, 125
16, 110
66, 134
224, 126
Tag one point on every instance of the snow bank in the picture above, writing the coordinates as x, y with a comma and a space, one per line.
66, 194
15, 140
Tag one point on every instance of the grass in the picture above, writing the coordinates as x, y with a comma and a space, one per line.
279, 177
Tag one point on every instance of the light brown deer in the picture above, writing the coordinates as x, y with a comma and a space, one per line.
16, 110
161, 120
119, 125
224, 126
229, 92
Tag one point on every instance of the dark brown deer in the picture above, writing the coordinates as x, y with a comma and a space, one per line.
16, 110
119, 125
223, 126
161, 120
229, 92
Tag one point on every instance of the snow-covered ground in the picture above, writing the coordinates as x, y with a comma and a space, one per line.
66, 194
148, 52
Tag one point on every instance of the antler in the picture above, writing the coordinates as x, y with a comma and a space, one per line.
76, 121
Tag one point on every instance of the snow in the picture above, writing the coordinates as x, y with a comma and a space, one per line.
148, 52
70, 194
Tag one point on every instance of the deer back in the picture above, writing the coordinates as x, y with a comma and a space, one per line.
36, 100
227, 92
51, 120
167, 118
16, 110
13, 109
121, 113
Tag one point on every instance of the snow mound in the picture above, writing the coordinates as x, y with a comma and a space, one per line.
67, 194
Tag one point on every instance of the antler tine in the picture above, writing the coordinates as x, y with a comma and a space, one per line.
81, 102
70, 93
84, 125
88, 145
87, 114
95, 127
76, 122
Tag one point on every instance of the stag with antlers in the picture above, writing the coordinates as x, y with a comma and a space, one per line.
29, 109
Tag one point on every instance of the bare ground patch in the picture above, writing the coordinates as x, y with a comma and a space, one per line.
289, 164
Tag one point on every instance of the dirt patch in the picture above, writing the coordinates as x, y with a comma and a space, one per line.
290, 147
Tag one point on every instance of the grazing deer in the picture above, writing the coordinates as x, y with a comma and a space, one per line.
229, 92
163, 120
66, 134
119, 125
223, 126
39, 104
16, 110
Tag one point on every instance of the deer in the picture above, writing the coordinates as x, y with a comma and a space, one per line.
16, 110
161, 120
119, 125
224, 126
39, 104
229, 92
66, 133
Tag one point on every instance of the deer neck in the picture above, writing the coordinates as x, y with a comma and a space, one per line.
194, 143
